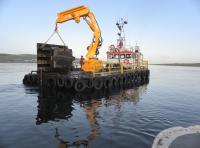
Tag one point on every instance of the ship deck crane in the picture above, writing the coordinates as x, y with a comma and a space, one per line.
91, 63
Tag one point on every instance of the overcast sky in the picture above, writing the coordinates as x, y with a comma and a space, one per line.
166, 30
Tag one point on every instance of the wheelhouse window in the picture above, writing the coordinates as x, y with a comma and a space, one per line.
109, 56
116, 56
128, 56
122, 56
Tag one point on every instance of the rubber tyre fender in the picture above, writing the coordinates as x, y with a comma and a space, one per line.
128, 75
34, 79
51, 82
98, 83
25, 80
60, 81
132, 75
31, 79
116, 81
135, 77
132, 78
90, 83
148, 73
108, 82
68, 82
143, 76
139, 78
125, 78
80, 85
120, 80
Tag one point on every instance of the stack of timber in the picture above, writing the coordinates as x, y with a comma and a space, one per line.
54, 58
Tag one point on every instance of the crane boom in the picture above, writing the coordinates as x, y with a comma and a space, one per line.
91, 64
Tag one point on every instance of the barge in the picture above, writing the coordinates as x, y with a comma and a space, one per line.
58, 68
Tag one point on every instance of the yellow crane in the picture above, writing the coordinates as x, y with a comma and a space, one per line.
91, 63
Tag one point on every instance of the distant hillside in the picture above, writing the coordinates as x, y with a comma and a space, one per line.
181, 64
21, 58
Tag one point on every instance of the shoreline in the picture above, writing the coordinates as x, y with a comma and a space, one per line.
180, 64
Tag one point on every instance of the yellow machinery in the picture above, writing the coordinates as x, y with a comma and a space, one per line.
91, 63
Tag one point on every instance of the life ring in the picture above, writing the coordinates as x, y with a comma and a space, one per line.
98, 83
60, 81
68, 82
80, 85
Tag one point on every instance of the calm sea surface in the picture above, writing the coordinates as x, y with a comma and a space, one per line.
32, 118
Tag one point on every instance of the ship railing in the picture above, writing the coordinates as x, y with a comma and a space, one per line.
111, 68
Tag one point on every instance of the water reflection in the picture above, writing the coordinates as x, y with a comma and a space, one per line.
55, 105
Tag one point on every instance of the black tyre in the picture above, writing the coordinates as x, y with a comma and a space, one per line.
31, 79
28, 76
108, 82
116, 81
35, 79
132, 78
80, 85
143, 77
25, 80
68, 83
128, 77
60, 81
123, 80
136, 77
90, 83
148, 73
51, 82
98, 83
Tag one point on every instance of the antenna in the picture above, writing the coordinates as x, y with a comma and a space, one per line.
120, 25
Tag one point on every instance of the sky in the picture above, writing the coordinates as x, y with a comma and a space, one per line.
167, 31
